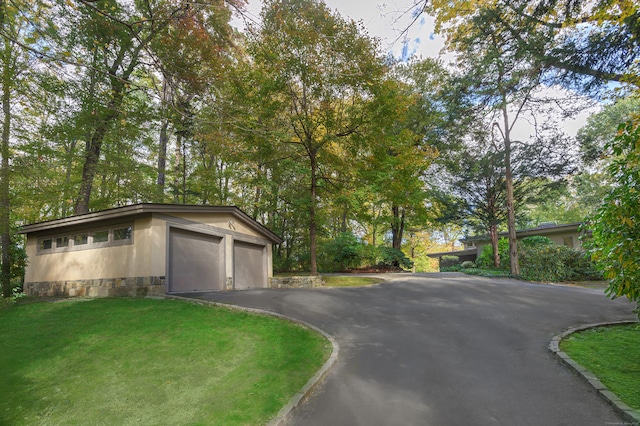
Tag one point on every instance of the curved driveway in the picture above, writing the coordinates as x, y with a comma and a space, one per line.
446, 349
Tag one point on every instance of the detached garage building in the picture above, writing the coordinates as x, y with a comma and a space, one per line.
148, 249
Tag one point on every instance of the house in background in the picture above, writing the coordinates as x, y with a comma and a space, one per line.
148, 249
564, 235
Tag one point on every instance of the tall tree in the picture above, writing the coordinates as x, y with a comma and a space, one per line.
505, 82
318, 71
15, 30
583, 43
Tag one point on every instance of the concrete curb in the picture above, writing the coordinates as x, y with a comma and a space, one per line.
629, 414
299, 398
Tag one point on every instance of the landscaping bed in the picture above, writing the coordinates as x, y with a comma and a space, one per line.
125, 361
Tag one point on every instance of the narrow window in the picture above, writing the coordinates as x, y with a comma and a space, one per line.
568, 241
122, 234
80, 239
46, 244
62, 242
101, 236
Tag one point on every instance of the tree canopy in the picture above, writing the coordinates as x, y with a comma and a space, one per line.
301, 119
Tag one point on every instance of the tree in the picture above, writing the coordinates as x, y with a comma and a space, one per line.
15, 29
318, 71
616, 226
583, 44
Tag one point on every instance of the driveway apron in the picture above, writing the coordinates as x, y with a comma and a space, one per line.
445, 349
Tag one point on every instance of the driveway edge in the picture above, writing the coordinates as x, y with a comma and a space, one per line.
297, 399
628, 413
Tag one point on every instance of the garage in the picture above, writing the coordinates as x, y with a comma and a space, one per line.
148, 249
250, 266
195, 261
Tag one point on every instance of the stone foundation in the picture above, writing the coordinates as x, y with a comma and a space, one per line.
102, 287
296, 282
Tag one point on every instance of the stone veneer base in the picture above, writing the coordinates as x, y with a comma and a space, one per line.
296, 282
100, 287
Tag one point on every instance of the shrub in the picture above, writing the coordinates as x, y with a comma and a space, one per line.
468, 264
393, 258
449, 264
345, 250
536, 241
616, 225
485, 259
553, 263
544, 262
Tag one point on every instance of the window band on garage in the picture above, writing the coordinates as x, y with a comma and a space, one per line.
87, 239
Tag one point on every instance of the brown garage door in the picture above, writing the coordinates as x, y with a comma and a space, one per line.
194, 261
249, 266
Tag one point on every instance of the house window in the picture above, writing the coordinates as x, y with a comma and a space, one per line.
80, 239
101, 236
62, 242
46, 244
568, 241
117, 235
120, 234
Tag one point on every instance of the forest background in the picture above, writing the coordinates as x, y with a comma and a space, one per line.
305, 123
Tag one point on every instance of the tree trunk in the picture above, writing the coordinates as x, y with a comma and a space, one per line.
112, 111
163, 143
162, 160
511, 214
493, 237
397, 227
5, 226
312, 214
92, 155
177, 169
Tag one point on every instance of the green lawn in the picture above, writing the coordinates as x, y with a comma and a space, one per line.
349, 281
143, 362
613, 355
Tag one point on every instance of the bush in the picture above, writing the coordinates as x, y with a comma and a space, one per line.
468, 264
485, 260
449, 264
536, 241
393, 258
543, 262
345, 251
616, 224
553, 263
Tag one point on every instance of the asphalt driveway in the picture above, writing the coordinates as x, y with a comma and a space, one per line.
446, 349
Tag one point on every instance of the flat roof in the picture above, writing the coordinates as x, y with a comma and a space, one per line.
540, 230
146, 208
467, 252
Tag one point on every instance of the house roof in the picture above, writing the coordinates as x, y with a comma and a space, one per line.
542, 229
467, 252
147, 208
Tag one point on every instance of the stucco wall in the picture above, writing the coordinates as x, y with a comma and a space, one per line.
223, 221
128, 260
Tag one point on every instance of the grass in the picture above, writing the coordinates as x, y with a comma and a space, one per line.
347, 281
140, 361
613, 355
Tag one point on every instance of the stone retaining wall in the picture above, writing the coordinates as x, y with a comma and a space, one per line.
103, 287
296, 282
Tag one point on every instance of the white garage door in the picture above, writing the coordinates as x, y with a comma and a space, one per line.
249, 266
195, 261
